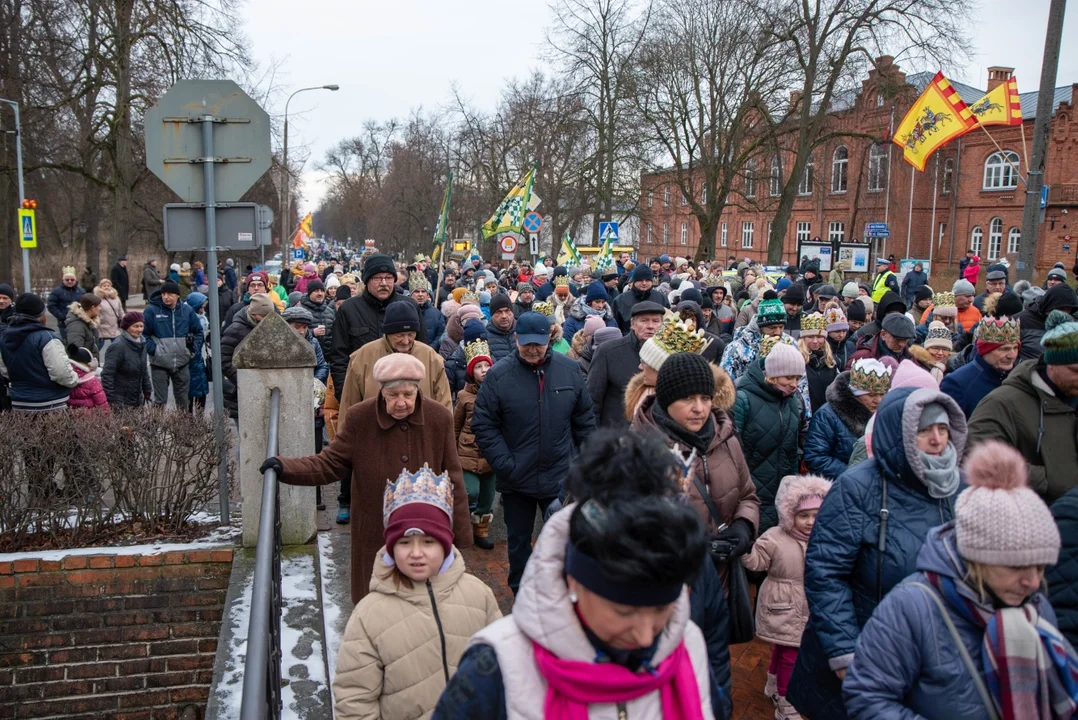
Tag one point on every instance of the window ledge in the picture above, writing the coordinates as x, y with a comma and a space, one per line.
877, 190
1009, 188
839, 192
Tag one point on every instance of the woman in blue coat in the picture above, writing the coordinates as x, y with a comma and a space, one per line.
983, 573
857, 552
851, 400
200, 384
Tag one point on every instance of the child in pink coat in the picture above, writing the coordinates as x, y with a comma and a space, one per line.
973, 270
88, 393
781, 606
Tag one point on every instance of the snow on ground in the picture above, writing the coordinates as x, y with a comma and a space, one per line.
334, 553
229, 691
302, 660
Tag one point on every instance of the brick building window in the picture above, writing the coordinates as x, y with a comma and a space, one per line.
684, 199
999, 171
722, 236
948, 176
776, 176
703, 194
1014, 238
804, 186
804, 231
836, 232
976, 239
878, 168
746, 234
651, 197
666, 196
684, 233
750, 179
995, 237
649, 233
666, 234
840, 166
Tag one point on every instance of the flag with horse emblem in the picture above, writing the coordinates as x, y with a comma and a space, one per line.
1000, 106
936, 118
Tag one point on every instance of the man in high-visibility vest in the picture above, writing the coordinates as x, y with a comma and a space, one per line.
885, 280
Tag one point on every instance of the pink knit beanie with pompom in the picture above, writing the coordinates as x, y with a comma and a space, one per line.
999, 519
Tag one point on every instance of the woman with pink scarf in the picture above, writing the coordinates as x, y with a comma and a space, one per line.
601, 627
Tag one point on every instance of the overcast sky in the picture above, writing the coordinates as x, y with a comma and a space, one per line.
390, 56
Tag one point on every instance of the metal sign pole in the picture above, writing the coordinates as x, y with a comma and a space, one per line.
22, 191
215, 314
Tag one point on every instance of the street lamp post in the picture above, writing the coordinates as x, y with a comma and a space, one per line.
22, 188
286, 200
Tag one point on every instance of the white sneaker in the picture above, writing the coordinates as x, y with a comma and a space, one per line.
771, 688
785, 711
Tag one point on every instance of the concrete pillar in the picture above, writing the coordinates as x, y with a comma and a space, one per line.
272, 356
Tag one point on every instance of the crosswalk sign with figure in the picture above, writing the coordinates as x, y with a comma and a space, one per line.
27, 229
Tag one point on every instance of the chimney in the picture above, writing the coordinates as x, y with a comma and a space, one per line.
997, 76
795, 99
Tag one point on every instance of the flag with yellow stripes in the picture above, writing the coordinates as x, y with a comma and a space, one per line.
1000, 106
938, 116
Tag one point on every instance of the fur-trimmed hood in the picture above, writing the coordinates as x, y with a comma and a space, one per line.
923, 357
723, 399
76, 310
794, 489
106, 293
849, 409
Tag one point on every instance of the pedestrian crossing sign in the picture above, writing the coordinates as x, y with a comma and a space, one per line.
27, 229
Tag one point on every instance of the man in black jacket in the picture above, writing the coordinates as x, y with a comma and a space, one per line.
638, 291
530, 417
120, 281
616, 362
322, 310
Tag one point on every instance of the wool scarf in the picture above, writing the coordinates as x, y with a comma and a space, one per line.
699, 440
941, 475
572, 685
1031, 671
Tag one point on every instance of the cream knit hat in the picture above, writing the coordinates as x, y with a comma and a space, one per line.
999, 519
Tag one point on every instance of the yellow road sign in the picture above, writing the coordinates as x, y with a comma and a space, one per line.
27, 229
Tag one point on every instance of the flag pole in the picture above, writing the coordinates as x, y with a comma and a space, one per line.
887, 197
909, 220
1004, 154
932, 229
1025, 155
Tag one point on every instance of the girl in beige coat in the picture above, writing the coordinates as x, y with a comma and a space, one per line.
781, 607
405, 638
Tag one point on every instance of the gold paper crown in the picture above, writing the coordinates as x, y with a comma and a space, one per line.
348, 278
1004, 330
714, 281
871, 376
470, 297
421, 257
418, 281
476, 348
676, 337
543, 307
768, 343
423, 486
814, 324
943, 299
561, 281
69, 270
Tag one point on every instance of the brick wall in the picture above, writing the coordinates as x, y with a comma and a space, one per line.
110, 636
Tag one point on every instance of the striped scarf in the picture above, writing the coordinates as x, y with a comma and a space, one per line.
1031, 671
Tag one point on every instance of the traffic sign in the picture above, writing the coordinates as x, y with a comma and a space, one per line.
297, 254
27, 229
241, 142
608, 227
877, 230
1044, 196
533, 221
508, 244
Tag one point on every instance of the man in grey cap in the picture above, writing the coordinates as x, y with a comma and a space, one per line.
995, 282
1056, 276
616, 362
893, 340
968, 315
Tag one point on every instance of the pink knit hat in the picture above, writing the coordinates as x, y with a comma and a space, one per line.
593, 323
999, 519
910, 374
398, 366
784, 361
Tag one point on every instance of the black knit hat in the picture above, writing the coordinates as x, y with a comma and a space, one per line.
170, 286
378, 263
499, 301
922, 293
683, 375
7, 290
856, 311
401, 316
30, 304
795, 294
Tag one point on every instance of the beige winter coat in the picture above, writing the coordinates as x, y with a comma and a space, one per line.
544, 614
781, 609
391, 664
112, 312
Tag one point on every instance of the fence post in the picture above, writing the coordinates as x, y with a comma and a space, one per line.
272, 356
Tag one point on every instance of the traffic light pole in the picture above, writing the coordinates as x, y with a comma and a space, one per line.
22, 189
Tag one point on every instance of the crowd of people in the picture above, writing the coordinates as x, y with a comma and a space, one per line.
870, 476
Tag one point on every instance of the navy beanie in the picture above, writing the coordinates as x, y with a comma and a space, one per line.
560, 270
642, 272
691, 293
401, 316
474, 329
596, 291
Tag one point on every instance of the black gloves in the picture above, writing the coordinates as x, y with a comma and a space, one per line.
740, 534
272, 464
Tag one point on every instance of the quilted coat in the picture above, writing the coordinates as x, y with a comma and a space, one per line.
88, 393
471, 457
402, 644
971, 383
740, 353
907, 663
844, 570
126, 375
769, 426
1062, 578
819, 378
835, 428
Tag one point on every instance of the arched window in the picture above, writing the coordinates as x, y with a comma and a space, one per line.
750, 178
776, 176
878, 167
1000, 171
948, 176
995, 238
976, 237
804, 186
840, 166
1014, 239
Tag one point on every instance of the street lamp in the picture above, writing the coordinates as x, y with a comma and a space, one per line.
22, 189
285, 202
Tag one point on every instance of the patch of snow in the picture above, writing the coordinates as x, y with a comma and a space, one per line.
302, 660
218, 538
331, 610
230, 690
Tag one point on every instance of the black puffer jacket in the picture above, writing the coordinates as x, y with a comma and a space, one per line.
623, 306
1062, 578
613, 365
357, 322
530, 421
126, 376
323, 313
1059, 297
233, 335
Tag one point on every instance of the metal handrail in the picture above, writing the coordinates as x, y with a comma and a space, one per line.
262, 666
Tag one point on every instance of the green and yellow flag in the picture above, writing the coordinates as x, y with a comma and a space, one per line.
569, 254
509, 217
605, 259
442, 227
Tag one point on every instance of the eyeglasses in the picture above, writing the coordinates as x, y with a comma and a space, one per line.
383, 279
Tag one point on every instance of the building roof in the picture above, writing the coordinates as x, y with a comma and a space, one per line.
971, 94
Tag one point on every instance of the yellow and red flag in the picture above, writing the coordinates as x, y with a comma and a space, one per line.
1000, 106
306, 225
937, 117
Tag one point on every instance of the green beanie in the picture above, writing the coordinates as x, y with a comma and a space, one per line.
1060, 339
770, 312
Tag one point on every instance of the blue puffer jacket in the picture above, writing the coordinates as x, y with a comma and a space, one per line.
843, 580
969, 384
907, 663
1062, 578
835, 428
200, 384
502, 344
169, 327
433, 323
529, 422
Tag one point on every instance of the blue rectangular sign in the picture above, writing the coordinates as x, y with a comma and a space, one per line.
611, 227
297, 253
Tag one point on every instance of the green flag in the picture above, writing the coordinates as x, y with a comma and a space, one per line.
443, 216
509, 217
569, 253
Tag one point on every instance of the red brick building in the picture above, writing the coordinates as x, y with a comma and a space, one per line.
853, 181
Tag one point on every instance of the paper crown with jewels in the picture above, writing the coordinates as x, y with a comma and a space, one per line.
814, 325
418, 281
69, 270
476, 349
561, 281
422, 486
768, 343
544, 308
675, 337
470, 296
421, 258
1003, 330
870, 376
714, 281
